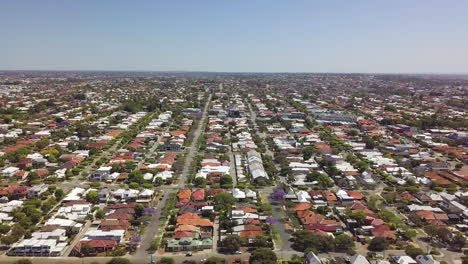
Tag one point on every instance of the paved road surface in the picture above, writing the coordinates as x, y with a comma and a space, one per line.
152, 228
194, 146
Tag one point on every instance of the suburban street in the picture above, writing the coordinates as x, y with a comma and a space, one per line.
193, 149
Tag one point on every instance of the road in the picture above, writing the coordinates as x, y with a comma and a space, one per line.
77, 238
262, 135
77, 181
152, 150
232, 162
152, 228
277, 210
278, 213
193, 149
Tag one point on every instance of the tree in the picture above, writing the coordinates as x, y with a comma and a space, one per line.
390, 108
261, 242
410, 234
139, 210
441, 234
279, 194
215, 260
231, 243
134, 185
100, 214
459, 240
199, 182
4, 229
7, 119
263, 256
224, 201
304, 239
414, 251
48, 205
378, 244
158, 181
92, 196
323, 180
166, 260
344, 242
226, 181
307, 152
8, 239
23, 261
32, 175
119, 261
87, 250
359, 216
352, 132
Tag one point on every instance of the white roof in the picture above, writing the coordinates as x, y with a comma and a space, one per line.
404, 260
101, 233
359, 259
238, 194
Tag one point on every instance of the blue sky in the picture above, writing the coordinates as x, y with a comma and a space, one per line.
397, 36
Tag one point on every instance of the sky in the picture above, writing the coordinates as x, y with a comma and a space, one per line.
358, 36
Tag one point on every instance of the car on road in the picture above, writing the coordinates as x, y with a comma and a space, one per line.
237, 252
189, 254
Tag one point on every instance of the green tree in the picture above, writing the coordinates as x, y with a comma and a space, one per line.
263, 256
119, 261
100, 214
23, 261
231, 243
378, 244
166, 260
4, 229
87, 250
158, 181
261, 242
8, 239
359, 216
344, 242
414, 251
304, 239
410, 233
224, 201
390, 108
139, 210
459, 240
92, 196
226, 181
215, 260
134, 185
199, 182
307, 152
32, 176
352, 132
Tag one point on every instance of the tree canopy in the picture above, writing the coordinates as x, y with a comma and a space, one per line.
263, 256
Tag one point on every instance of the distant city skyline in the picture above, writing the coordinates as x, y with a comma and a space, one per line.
243, 36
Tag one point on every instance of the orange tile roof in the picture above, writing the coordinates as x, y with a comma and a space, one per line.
251, 233
195, 222
184, 194
113, 133
248, 210
178, 133
186, 228
302, 206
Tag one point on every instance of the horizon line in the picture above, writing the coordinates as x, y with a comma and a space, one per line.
237, 72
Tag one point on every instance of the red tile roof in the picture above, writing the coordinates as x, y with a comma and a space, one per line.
199, 195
